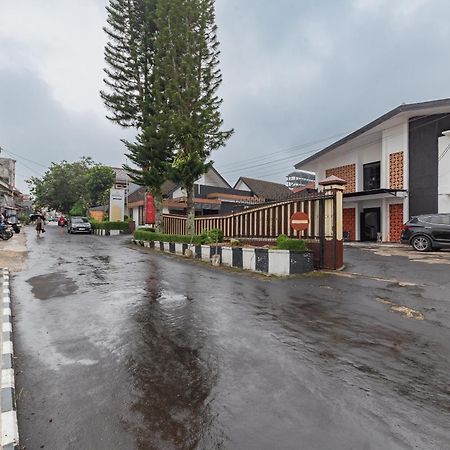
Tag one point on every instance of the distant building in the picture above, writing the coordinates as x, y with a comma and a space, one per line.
300, 178
7, 186
212, 195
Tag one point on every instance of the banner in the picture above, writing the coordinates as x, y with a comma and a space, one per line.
116, 205
149, 209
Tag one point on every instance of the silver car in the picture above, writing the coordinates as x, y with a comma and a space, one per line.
79, 225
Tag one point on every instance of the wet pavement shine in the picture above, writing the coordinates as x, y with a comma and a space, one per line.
124, 348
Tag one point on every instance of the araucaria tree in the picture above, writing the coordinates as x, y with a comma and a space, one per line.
129, 56
186, 71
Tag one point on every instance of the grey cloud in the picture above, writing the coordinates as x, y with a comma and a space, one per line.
34, 125
377, 61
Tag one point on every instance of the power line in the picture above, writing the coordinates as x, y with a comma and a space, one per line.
355, 146
287, 149
239, 166
23, 157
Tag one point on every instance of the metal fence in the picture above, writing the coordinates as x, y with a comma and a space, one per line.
268, 221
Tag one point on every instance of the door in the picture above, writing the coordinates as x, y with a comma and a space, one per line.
370, 224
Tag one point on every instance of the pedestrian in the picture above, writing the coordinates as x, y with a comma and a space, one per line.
40, 225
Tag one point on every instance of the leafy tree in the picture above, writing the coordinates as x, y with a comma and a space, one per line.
99, 181
83, 183
78, 209
131, 95
186, 70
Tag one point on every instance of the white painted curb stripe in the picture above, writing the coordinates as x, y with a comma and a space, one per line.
8, 422
10, 433
7, 348
8, 378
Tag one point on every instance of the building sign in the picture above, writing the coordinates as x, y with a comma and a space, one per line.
116, 205
149, 209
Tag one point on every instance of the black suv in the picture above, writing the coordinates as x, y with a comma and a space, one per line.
427, 232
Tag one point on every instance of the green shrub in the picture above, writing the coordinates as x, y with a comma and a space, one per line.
285, 243
235, 242
145, 235
212, 236
147, 229
106, 225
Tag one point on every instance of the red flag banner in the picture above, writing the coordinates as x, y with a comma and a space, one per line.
149, 209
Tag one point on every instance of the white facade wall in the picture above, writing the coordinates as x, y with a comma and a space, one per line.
136, 216
376, 146
444, 175
208, 179
395, 139
242, 186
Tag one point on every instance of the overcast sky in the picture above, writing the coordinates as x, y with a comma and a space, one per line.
295, 72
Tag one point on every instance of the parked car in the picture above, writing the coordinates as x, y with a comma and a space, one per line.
427, 232
78, 225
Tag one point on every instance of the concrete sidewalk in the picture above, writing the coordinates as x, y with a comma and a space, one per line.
13, 253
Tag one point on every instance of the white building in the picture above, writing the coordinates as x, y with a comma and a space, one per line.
396, 167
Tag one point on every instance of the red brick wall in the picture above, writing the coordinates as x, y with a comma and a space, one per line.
349, 222
396, 170
395, 222
347, 173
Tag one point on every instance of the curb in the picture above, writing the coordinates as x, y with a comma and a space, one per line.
259, 260
9, 428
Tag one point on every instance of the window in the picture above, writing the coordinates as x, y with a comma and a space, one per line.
440, 220
371, 176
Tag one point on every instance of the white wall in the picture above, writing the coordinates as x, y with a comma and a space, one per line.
242, 186
444, 175
359, 151
208, 179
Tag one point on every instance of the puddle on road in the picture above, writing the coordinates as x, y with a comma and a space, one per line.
52, 285
403, 310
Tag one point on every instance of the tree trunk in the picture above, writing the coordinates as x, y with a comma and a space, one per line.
190, 220
159, 221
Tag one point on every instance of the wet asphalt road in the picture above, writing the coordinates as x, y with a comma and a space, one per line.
122, 348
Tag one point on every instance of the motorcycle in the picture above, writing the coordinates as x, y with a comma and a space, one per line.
6, 231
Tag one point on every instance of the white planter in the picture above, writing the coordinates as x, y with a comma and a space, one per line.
279, 262
206, 253
178, 248
248, 259
227, 256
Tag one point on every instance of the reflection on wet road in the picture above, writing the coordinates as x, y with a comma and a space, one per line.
121, 348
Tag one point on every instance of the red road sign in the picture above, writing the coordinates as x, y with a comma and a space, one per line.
299, 221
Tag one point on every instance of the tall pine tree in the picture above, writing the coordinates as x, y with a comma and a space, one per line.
187, 73
130, 97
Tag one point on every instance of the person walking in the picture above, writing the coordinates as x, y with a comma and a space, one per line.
39, 225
